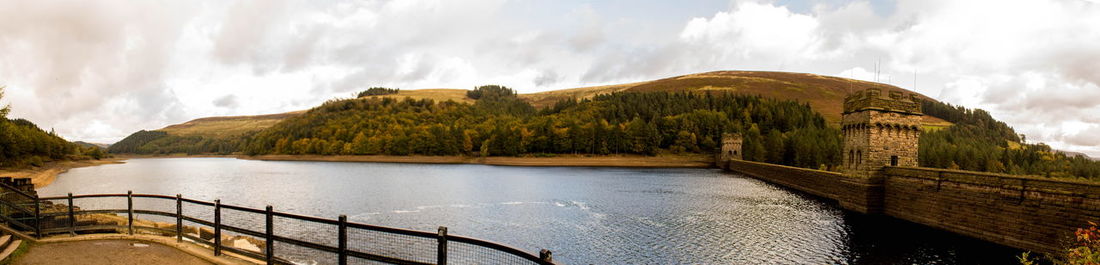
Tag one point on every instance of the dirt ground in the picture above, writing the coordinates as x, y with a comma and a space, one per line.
121, 252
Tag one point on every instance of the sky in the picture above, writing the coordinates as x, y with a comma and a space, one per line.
99, 70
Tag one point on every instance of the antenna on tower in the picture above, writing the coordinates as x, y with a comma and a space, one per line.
877, 62
914, 79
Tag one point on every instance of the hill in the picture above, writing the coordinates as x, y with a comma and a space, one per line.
87, 144
437, 94
228, 126
501, 124
825, 94
23, 144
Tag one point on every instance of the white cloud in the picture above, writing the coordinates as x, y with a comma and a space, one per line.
100, 70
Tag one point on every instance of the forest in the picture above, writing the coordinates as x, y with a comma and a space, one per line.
499, 124
980, 143
650, 123
23, 144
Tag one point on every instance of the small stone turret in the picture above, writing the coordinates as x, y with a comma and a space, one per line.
731, 147
880, 130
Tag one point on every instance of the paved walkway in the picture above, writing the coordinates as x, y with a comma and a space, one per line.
93, 252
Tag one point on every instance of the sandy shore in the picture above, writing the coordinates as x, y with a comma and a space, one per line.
44, 175
692, 161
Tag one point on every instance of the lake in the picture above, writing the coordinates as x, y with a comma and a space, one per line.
584, 215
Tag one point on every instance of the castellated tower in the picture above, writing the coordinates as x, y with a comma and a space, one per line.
880, 130
731, 147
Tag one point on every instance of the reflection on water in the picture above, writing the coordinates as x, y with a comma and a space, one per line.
585, 215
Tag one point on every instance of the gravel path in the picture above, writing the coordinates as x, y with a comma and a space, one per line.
94, 252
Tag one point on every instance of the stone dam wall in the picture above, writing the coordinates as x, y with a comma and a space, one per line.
859, 194
1029, 213
1023, 212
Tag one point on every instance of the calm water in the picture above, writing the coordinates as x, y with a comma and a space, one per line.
585, 215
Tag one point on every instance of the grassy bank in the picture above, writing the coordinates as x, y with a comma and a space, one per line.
44, 175
671, 161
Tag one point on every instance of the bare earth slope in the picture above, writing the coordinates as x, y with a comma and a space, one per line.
824, 94
219, 127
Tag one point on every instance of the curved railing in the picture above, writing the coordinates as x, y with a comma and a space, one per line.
267, 235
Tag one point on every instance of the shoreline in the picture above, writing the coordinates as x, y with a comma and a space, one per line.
47, 174
665, 161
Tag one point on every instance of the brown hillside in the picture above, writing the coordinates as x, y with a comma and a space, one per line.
437, 94
824, 93
227, 126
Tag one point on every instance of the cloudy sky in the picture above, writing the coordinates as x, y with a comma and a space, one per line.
100, 70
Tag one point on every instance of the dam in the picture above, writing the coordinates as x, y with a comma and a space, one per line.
880, 176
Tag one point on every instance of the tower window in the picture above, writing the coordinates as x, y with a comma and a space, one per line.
894, 161
859, 157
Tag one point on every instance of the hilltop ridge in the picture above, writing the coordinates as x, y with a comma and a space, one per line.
825, 94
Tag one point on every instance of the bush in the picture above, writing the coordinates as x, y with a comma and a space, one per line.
1087, 251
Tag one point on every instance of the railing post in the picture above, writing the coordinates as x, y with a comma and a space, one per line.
130, 211
270, 239
441, 254
546, 256
37, 218
217, 227
343, 235
72, 217
179, 218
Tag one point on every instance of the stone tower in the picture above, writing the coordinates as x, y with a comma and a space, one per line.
880, 129
731, 147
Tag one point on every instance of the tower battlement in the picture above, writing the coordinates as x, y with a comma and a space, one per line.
874, 99
731, 147
880, 130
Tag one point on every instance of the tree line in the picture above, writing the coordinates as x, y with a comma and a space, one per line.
980, 143
378, 91
22, 144
499, 124
649, 123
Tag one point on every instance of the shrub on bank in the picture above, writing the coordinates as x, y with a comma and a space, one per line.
1086, 251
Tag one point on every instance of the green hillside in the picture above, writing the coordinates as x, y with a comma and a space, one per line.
786, 118
823, 93
500, 124
23, 144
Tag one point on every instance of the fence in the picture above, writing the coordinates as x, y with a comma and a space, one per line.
274, 237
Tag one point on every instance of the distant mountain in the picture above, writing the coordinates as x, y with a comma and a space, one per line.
87, 144
1069, 153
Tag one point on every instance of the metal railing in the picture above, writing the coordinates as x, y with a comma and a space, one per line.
271, 236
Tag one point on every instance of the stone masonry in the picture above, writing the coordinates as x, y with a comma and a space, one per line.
881, 176
731, 147
880, 130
